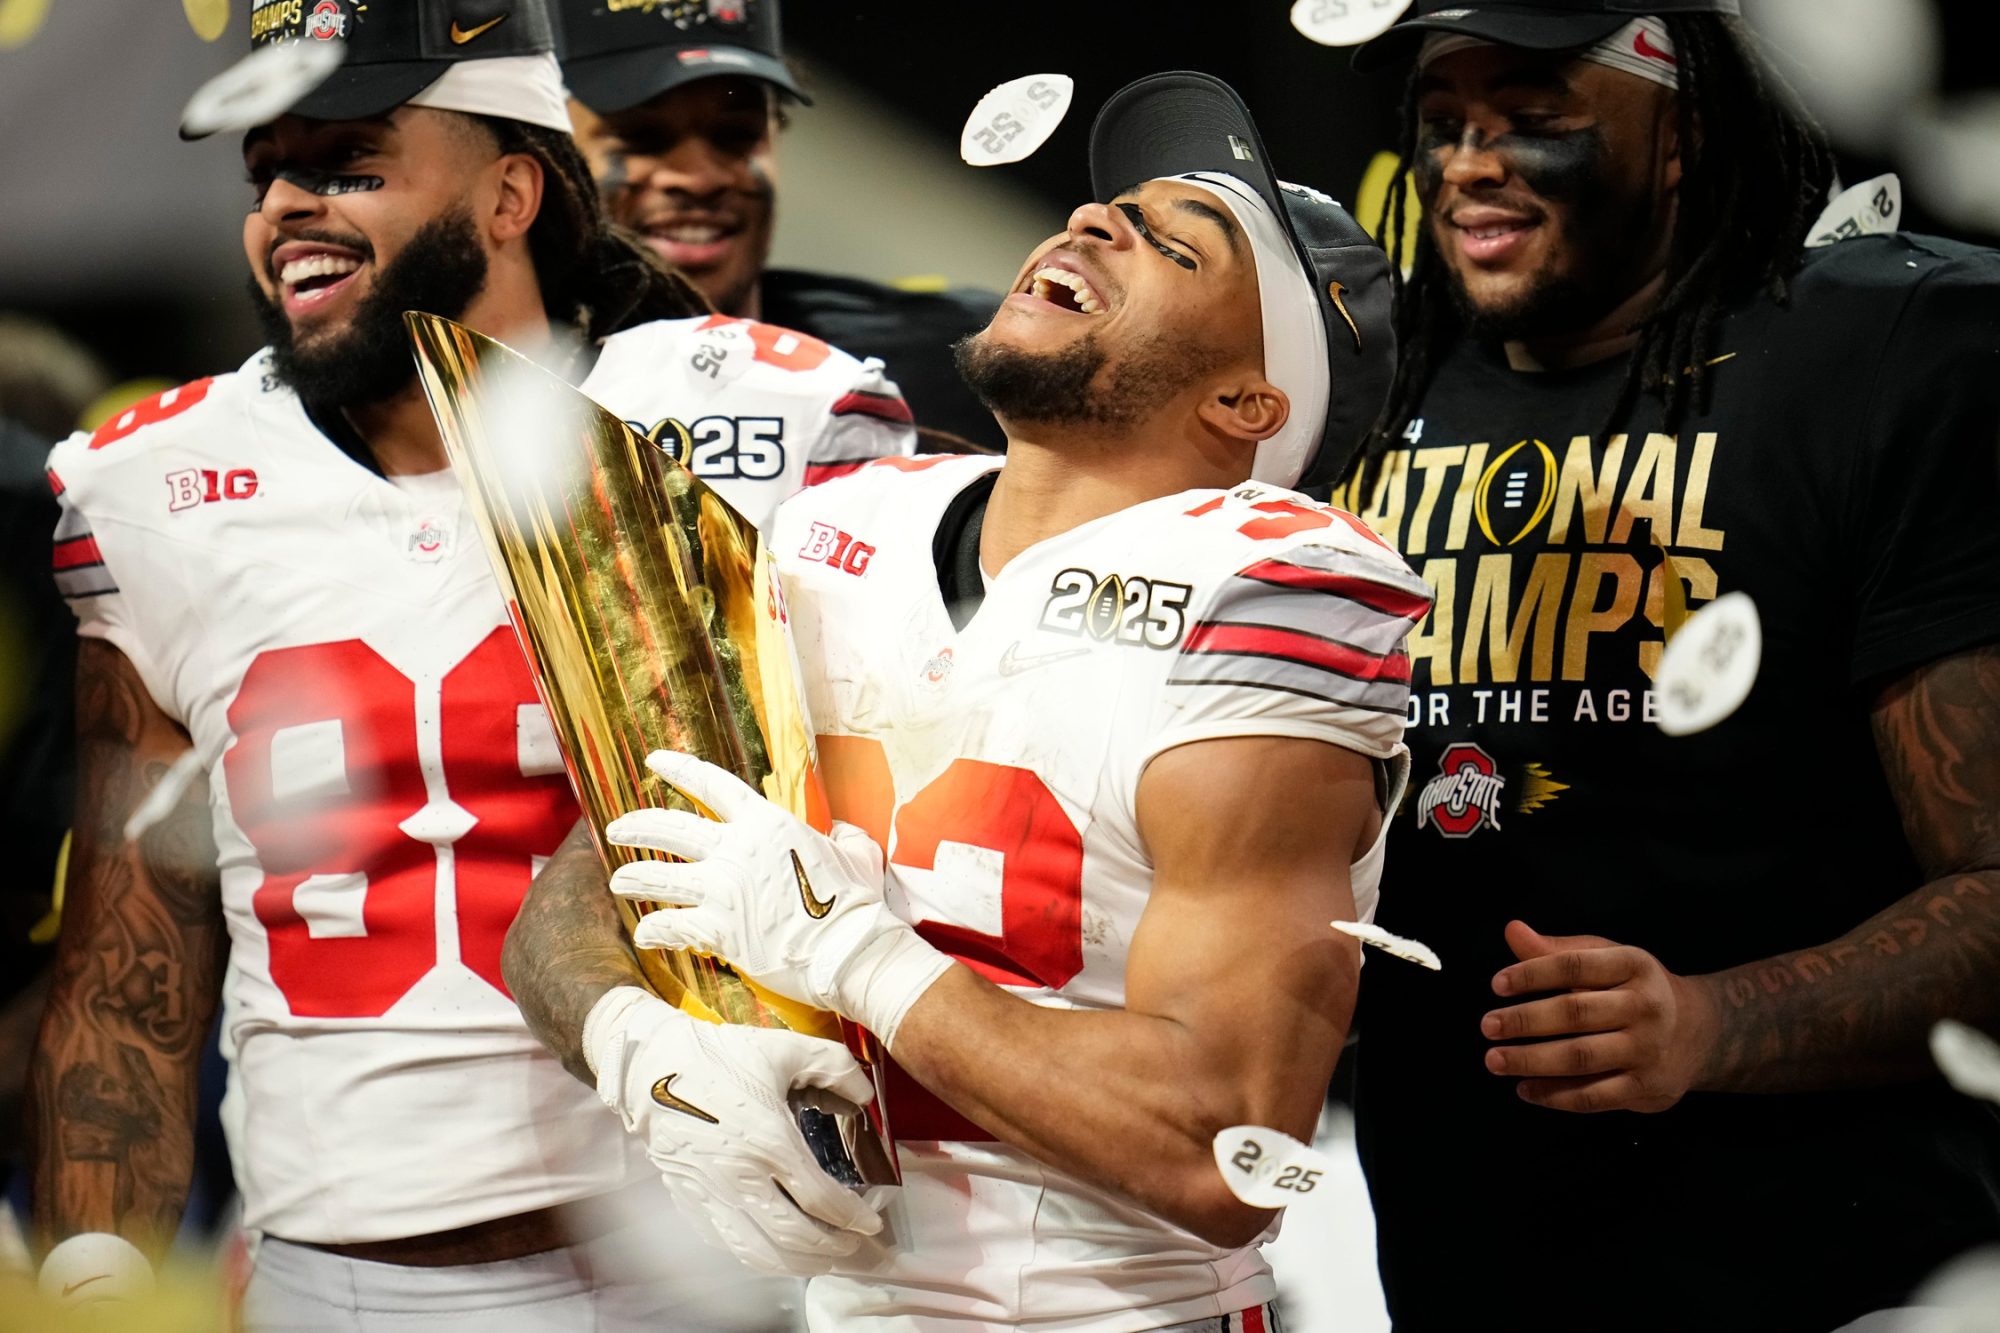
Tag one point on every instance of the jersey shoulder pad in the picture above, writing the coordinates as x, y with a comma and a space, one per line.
895, 494
158, 421
718, 352
1300, 597
140, 444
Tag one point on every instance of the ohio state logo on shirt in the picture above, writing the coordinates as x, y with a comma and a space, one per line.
1465, 795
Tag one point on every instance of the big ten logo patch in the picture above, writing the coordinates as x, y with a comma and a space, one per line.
1127, 609
745, 448
1540, 555
836, 549
193, 486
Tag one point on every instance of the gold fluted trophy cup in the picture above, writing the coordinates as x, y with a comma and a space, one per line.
653, 619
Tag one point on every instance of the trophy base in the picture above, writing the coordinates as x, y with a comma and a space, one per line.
842, 1140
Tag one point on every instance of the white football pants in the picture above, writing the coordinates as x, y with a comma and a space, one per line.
591, 1287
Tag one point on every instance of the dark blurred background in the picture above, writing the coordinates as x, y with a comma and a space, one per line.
122, 235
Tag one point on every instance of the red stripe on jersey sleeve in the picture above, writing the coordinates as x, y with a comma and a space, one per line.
862, 403
76, 552
1253, 1319
56, 486
1375, 596
1362, 528
819, 472
1296, 646
917, 464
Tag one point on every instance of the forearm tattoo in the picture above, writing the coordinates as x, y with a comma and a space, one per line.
112, 1092
566, 948
1858, 1010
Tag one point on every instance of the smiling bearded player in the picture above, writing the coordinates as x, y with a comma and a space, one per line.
1124, 714
303, 605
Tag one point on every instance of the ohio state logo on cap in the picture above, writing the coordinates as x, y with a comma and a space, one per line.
1465, 795
326, 21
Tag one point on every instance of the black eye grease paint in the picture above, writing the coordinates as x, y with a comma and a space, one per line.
1139, 225
1558, 165
323, 183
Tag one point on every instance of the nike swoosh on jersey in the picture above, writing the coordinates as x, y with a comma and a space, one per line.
459, 36
79, 1286
1013, 664
816, 907
663, 1093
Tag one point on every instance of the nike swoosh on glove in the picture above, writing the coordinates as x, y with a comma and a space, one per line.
96, 1269
711, 1104
799, 911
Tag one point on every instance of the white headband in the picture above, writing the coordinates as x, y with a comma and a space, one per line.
1295, 358
1641, 47
524, 88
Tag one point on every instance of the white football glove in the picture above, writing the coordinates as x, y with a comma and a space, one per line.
799, 911
710, 1103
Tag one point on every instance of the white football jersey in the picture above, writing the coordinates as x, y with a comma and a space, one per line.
1000, 767
383, 780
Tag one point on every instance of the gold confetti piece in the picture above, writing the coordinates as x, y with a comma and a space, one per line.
20, 20
208, 18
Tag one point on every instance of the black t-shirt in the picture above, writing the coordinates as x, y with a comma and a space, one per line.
1844, 477
912, 333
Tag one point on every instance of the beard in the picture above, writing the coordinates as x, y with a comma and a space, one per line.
1596, 266
440, 271
1062, 388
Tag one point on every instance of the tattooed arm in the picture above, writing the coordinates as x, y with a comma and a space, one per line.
566, 948
1851, 1012
1859, 1009
111, 1098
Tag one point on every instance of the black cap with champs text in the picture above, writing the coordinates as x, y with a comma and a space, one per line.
389, 50
619, 53
1180, 122
1547, 25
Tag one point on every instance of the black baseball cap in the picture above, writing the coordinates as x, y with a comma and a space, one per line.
392, 49
1547, 25
619, 53
1177, 123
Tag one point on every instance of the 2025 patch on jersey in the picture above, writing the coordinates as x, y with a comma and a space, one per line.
999, 766
383, 779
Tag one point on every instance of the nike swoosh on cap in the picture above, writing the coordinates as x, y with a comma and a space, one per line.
1643, 44
459, 36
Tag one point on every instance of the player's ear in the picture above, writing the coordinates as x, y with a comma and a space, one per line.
518, 199
1670, 155
1251, 409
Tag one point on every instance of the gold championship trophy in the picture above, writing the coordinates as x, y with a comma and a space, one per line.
652, 618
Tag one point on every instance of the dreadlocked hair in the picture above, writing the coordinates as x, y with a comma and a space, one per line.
1749, 193
595, 276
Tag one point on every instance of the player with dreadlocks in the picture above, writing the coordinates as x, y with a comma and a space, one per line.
298, 637
1643, 369
1744, 207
